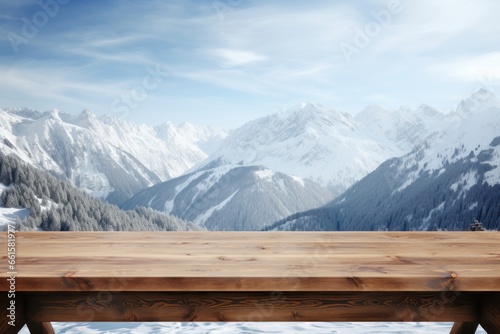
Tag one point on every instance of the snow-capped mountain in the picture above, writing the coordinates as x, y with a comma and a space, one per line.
310, 141
206, 138
404, 127
232, 197
32, 199
450, 179
107, 157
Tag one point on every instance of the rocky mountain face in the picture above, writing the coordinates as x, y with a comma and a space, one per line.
332, 148
382, 169
107, 157
232, 197
449, 179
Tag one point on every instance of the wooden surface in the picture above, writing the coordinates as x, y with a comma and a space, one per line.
5, 328
252, 306
490, 313
464, 327
254, 276
40, 327
255, 261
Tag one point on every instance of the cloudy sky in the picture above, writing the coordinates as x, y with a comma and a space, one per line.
224, 62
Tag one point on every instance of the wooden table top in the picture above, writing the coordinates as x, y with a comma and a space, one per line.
254, 261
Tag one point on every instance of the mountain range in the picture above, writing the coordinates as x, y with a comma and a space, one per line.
107, 157
322, 168
232, 197
448, 180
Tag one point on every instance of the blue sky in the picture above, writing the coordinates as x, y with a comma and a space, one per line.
225, 62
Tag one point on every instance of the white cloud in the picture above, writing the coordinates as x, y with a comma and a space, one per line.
267, 51
231, 57
484, 67
427, 25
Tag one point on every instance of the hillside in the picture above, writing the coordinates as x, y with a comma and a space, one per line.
447, 181
332, 148
232, 197
35, 199
109, 158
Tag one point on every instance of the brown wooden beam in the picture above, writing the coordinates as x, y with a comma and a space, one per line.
464, 328
16, 317
40, 328
490, 313
250, 306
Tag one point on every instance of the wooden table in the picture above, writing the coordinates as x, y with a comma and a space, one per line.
253, 276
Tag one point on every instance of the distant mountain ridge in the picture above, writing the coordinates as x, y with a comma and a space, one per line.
447, 181
276, 165
107, 157
332, 148
232, 197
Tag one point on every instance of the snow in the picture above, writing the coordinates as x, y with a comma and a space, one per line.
425, 221
493, 176
169, 205
309, 141
467, 181
151, 200
254, 327
10, 215
45, 140
298, 179
265, 174
205, 215
469, 129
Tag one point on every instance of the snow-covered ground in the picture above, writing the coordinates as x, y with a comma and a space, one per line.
10, 215
247, 328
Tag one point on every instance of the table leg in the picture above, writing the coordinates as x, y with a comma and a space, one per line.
40, 327
464, 328
11, 313
490, 313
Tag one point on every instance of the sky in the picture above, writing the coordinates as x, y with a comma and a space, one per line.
226, 62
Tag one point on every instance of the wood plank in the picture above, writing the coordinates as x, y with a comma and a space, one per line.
18, 314
40, 327
256, 261
261, 306
225, 283
464, 328
490, 313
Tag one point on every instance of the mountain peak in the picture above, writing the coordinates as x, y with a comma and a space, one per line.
310, 107
53, 114
428, 110
87, 113
483, 93
480, 100
318, 115
86, 118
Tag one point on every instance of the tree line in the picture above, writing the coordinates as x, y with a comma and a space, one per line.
55, 205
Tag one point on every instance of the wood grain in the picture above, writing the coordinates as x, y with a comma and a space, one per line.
5, 328
252, 306
255, 261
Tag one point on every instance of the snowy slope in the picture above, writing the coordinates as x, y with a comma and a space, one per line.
404, 127
310, 141
334, 148
10, 215
450, 179
107, 157
232, 197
